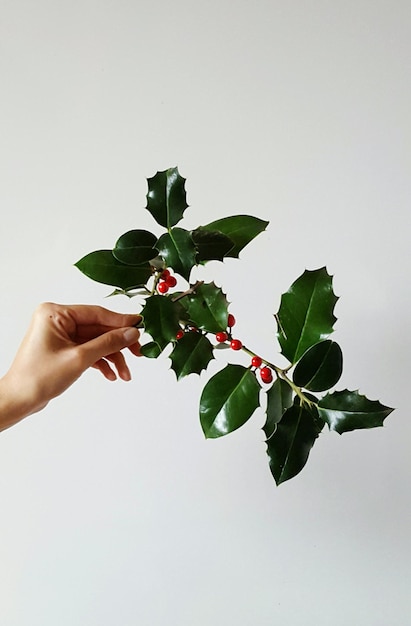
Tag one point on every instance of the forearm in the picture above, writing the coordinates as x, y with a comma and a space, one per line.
15, 403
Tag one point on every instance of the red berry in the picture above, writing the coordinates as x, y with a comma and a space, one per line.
180, 334
230, 320
171, 281
266, 375
221, 337
165, 274
162, 287
236, 344
256, 361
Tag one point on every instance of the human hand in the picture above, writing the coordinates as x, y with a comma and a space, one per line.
60, 344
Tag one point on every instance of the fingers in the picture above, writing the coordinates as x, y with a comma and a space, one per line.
108, 346
88, 315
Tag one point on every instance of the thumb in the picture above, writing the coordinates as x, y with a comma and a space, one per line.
109, 343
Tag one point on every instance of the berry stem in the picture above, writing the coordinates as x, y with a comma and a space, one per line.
282, 373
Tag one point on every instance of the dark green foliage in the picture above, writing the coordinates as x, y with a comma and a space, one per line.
306, 313
191, 355
228, 400
348, 410
183, 322
288, 448
103, 267
320, 367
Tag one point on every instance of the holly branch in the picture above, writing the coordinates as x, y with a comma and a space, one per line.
195, 322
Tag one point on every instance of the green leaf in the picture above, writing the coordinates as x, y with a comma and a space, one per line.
178, 250
241, 229
166, 197
161, 319
208, 308
289, 446
211, 244
151, 350
192, 353
228, 400
279, 399
320, 367
102, 267
348, 410
135, 247
306, 314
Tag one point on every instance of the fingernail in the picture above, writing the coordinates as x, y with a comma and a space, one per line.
131, 335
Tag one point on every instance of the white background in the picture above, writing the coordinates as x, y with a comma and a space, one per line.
114, 510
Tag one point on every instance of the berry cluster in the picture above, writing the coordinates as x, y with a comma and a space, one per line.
266, 373
166, 281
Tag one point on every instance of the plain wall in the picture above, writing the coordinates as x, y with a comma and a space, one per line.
113, 508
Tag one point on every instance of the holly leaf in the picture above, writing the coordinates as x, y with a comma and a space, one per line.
135, 247
151, 350
279, 399
166, 197
306, 314
161, 319
103, 267
228, 400
211, 244
192, 353
178, 250
208, 308
289, 446
241, 229
320, 367
348, 410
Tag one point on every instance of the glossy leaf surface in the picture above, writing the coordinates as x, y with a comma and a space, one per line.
102, 267
306, 313
192, 353
241, 229
289, 446
151, 350
135, 247
166, 197
279, 399
178, 250
208, 308
211, 245
228, 400
348, 410
320, 367
161, 319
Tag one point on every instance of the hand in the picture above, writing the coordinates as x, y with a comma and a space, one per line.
61, 343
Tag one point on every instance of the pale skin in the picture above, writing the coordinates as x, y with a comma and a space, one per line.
61, 343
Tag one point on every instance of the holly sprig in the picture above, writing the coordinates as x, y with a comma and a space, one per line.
195, 322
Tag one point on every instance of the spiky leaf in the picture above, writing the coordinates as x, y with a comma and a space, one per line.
208, 308
279, 399
178, 250
228, 400
211, 245
320, 367
135, 247
161, 319
192, 353
306, 314
289, 446
166, 197
102, 267
348, 410
151, 350
241, 229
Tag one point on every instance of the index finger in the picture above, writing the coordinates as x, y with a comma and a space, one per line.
92, 314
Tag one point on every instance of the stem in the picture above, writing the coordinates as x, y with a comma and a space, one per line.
282, 373
188, 292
